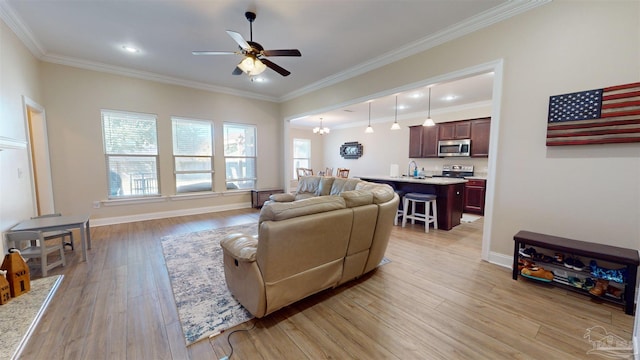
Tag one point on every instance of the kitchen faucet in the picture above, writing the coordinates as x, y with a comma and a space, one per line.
415, 166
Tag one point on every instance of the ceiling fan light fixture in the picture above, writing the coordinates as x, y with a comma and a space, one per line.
252, 66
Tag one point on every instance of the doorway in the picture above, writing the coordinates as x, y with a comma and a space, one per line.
40, 166
495, 67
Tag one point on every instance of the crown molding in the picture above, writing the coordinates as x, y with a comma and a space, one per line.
15, 23
485, 19
144, 75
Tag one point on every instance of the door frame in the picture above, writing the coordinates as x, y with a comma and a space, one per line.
495, 66
39, 158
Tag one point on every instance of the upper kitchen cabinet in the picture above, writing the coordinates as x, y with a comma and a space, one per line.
415, 141
423, 141
454, 130
480, 130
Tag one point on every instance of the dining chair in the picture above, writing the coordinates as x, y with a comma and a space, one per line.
328, 172
62, 234
304, 172
342, 173
37, 248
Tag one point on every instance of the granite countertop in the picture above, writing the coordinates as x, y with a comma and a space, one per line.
476, 177
426, 180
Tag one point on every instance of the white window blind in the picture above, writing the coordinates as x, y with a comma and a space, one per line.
193, 155
301, 155
131, 151
240, 155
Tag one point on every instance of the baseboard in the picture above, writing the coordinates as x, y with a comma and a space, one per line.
166, 214
501, 259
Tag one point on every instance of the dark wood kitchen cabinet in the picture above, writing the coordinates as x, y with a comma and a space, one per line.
415, 141
480, 130
474, 193
454, 130
423, 141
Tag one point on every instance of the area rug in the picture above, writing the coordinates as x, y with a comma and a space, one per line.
19, 317
194, 261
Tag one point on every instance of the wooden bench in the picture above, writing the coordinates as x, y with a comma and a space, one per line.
627, 257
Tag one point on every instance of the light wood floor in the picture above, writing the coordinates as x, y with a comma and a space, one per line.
435, 300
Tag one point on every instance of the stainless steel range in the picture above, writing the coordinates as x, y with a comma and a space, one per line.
456, 171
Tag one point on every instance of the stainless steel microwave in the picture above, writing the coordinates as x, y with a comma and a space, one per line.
454, 147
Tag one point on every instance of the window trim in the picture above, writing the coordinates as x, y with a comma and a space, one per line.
175, 157
254, 157
295, 177
133, 116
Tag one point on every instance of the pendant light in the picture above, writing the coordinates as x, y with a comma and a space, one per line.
429, 121
395, 125
369, 129
321, 130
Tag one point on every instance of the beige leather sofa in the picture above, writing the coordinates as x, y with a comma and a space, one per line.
305, 246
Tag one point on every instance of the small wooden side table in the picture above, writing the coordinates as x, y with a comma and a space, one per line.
258, 197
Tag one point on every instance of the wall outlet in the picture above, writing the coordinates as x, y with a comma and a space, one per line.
96, 204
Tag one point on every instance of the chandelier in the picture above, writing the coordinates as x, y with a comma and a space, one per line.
321, 130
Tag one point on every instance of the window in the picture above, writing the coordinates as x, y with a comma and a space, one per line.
192, 155
301, 155
131, 151
240, 156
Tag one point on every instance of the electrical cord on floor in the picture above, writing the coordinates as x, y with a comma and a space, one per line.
227, 357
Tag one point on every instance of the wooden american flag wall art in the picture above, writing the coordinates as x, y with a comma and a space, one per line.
600, 116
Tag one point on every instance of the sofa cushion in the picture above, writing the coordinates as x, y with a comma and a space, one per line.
355, 198
285, 197
280, 211
341, 184
324, 187
308, 184
381, 192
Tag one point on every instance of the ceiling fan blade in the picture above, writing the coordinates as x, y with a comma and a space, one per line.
288, 52
237, 71
205, 52
239, 39
280, 70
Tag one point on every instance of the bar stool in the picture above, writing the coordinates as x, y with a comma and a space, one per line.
429, 201
400, 211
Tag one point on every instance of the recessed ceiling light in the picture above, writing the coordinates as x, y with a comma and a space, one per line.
130, 49
417, 95
449, 98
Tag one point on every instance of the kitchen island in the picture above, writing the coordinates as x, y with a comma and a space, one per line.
450, 193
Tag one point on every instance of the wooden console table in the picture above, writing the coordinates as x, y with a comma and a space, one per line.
258, 197
627, 257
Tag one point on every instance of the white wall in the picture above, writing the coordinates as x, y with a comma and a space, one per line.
590, 193
73, 100
18, 77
